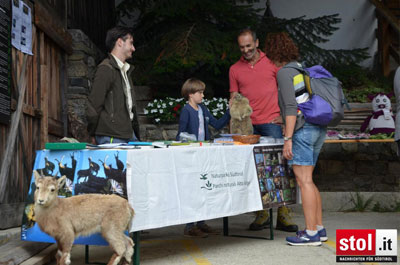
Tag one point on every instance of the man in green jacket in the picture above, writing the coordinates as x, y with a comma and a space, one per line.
112, 115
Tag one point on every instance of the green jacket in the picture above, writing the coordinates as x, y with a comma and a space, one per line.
107, 112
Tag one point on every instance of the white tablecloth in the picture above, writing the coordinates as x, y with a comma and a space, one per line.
179, 185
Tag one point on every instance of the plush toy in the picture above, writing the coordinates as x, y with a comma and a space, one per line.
240, 116
382, 119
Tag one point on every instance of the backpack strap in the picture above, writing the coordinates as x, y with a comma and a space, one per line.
299, 67
307, 80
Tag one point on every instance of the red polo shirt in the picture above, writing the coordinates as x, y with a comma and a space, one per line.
258, 84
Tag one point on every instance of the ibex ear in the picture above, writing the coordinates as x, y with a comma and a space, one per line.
37, 176
61, 181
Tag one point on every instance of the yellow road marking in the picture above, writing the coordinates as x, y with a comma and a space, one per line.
331, 244
195, 252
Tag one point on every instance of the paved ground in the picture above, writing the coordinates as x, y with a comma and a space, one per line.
169, 246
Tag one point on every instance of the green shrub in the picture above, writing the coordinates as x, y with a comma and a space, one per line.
359, 82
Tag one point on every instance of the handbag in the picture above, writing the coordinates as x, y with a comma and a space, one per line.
316, 110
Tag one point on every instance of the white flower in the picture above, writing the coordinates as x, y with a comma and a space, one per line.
116, 187
159, 107
68, 185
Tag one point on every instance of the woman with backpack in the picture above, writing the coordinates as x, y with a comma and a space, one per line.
302, 141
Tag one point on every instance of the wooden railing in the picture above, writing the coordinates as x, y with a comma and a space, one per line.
388, 12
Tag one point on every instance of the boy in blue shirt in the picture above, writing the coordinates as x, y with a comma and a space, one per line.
194, 119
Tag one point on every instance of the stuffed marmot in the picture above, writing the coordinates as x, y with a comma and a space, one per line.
240, 115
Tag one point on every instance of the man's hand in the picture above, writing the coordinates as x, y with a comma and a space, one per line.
277, 120
283, 129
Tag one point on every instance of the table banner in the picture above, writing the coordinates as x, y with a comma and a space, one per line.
100, 171
179, 185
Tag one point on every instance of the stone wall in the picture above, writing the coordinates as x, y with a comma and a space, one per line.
358, 167
81, 68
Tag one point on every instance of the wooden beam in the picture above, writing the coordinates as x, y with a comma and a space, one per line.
383, 45
63, 89
15, 117
21, 128
44, 105
387, 14
44, 257
27, 109
394, 53
52, 26
17, 251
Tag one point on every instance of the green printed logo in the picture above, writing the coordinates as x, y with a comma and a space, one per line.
203, 176
207, 183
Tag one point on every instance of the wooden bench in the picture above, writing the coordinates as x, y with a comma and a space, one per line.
354, 118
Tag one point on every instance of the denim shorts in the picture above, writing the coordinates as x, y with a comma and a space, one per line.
307, 143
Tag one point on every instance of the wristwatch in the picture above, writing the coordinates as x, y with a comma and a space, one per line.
287, 138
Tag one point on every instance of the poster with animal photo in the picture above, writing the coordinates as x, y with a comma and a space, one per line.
275, 177
99, 171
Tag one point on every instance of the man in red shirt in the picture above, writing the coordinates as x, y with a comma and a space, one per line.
254, 76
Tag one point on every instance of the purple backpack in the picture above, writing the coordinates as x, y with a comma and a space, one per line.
326, 106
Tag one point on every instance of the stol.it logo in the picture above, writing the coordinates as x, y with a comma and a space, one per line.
366, 245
